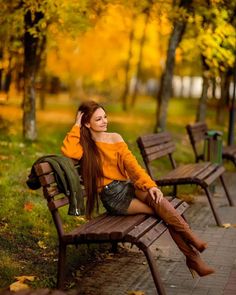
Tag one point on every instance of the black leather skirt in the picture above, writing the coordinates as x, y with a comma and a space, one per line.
116, 196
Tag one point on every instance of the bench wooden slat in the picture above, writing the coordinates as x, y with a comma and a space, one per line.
53, 205
50, 191
154, 152
142, 228
147, 224
211, 178
156, 149
213, 169
152, 139
43, 168
75, 234
116, 228
102, 230
46, 168
47, 179
229, 152
122, 231
188, 170
160, 154
151, 236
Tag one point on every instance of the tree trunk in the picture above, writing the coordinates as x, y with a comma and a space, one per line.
8, 78
232, 111
139, 65
201, 111
30, 70
166, 83
1, 69
43, 76
224, 97
127, 66
202, 105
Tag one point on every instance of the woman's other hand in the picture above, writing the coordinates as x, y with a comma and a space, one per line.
155, 193
78, 119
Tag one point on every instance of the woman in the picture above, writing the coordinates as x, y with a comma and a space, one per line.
111, 172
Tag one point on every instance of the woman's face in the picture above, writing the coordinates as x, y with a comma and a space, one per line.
98, 121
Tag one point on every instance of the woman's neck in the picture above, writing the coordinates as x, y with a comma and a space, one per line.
98, 136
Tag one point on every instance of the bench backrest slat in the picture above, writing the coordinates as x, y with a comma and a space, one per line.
196, 134
155, 146
55, 198
50, 191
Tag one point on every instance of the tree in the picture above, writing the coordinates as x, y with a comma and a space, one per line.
216, 41
31, 65
140, 57
166, 81
128, 64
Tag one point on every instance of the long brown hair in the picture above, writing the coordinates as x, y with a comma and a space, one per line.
91, 167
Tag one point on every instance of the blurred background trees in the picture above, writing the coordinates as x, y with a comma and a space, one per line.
117, 50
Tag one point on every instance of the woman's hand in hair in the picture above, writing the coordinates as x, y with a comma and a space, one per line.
78, 118
155, 193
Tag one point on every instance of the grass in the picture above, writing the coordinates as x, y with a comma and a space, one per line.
28, 238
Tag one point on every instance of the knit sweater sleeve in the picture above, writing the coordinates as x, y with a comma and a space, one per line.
129, 164
71, 146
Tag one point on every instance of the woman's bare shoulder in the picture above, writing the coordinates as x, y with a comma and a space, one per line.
116, 137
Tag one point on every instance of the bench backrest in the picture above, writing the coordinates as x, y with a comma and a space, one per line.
55, 198
196, 134
155, 146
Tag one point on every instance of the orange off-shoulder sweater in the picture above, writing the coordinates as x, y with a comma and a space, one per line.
118, 162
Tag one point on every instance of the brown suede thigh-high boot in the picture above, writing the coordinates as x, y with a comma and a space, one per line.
193, 259
167, 212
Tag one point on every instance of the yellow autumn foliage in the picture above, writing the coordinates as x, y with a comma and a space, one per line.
101, 52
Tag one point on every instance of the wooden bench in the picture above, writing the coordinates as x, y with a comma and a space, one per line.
159, 145
196, 133
141, 230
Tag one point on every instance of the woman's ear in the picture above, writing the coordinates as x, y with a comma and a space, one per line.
87, 125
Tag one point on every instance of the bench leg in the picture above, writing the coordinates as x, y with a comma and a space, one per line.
61, 266
114, 247
154, 271
231, 203
213, 209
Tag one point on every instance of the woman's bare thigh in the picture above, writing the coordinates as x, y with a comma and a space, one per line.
138, 206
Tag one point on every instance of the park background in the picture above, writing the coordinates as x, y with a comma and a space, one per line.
154, 65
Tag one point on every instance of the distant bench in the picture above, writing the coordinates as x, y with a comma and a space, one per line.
141, 230
197, 134
157, 146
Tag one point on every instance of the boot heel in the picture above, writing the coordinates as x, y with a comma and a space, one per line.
193, 272
196, 265
203, 247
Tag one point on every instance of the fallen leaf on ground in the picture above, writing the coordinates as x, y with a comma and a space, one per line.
136, 293
25, 278
28, 206
4, 157
226, 225
17, 286
81, 218
42, 245
20, 285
